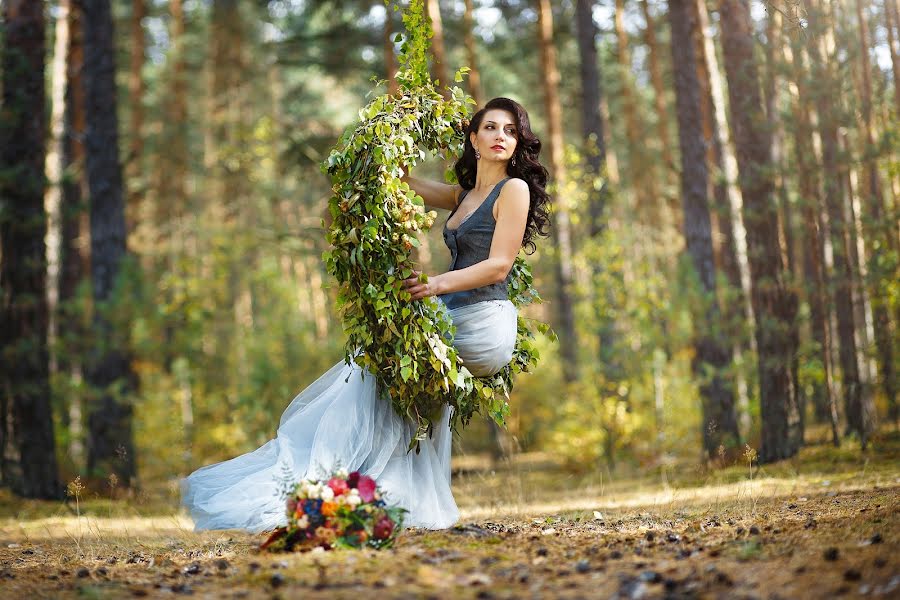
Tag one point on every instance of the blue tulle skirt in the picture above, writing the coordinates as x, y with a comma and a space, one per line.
340, 421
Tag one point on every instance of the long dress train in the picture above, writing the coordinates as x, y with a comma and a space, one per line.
340, 422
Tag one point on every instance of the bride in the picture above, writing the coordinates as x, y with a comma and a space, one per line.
340, 421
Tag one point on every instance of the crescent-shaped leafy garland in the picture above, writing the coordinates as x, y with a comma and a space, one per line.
404, 344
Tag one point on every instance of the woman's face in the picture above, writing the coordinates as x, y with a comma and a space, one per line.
497, 137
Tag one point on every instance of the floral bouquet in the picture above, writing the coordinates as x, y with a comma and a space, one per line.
344, 511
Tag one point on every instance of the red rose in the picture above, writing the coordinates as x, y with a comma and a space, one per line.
338, 486
383, 529
366, 487
353, 479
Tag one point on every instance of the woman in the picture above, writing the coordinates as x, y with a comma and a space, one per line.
339, 421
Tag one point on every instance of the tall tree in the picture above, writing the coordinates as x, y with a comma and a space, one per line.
563, 237
713, 356
842, 276
26, 425
439, 55
812, 240
110, 441
772, 85
472, 54
390, 64
726, 197
774, 304
892, 24
74, 259
54, 171
656, 78
874, 233
592, 130
136, 88
645, 187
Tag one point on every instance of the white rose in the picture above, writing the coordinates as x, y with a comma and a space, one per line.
303, 522
327, 494
353, 500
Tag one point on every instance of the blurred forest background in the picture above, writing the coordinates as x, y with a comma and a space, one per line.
722, 274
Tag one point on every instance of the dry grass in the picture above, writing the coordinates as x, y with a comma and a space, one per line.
821, 526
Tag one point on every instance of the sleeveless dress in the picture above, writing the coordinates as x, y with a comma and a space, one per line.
340, 421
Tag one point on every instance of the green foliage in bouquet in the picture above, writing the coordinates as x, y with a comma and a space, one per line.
406, 345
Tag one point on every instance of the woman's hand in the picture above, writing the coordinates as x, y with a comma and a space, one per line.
421, 286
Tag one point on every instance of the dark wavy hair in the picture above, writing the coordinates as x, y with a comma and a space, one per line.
527, 167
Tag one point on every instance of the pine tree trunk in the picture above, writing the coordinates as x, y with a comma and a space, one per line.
596, 171
472, 54
550, 71
772, 90
875, 233
812, 242
134, 163
26, 436
640, 180
712, 355
842, 277
656, 78
390, 64
591, 117
730, 248
74, 233
439, 56
111, 446
54, 166
892, 24
774, 304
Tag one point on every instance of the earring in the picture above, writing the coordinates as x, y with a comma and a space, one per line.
477, 154
513, 161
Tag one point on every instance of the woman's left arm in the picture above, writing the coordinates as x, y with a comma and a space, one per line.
512, 216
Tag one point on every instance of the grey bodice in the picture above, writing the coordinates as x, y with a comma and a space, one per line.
470, 243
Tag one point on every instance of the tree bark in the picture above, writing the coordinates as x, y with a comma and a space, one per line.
596, 171
439, 56
111, 446
26, 436
812, 240
892, 24
874, 233
54, 166
643, 183
134, 164
472, 54
591, 117
773, 303
74, 257
729, 241
656, 78
842, 276
562, 238
712, 355
390, 64
772, 90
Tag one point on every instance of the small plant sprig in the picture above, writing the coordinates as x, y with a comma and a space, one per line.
74, 489
376, 216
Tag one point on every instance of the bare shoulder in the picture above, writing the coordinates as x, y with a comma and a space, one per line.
515, 193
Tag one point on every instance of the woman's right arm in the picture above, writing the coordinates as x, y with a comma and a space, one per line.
434, 193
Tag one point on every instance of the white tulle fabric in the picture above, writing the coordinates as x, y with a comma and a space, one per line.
339, 421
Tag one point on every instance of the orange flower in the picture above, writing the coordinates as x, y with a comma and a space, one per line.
329, 509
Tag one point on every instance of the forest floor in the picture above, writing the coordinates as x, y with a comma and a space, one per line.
824, 525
